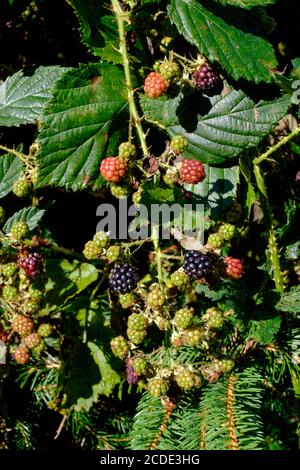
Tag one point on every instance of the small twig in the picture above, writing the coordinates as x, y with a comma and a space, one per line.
60, 427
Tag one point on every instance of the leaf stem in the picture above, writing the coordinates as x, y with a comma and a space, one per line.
275, 147
20, 155
120, 15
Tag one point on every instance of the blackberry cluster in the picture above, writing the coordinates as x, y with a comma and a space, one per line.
21, 355
123, 278
22, 325
197, 265
119, 347
186, 380
32, 263
113, 169
208, 80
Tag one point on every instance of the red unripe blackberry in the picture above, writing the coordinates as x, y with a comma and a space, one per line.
3, 335
234, 267
197, 265
208, 80
123, 278
32, 340
32, 263
113, 169
192, 171
22, 325
21, 355
155, 85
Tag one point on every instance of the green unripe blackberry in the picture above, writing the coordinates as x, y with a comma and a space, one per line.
171, 176
22, 325
169, 70
136, 321
45, 330
2, 214
21, 355
19, 230
127, 300
136, 336
179, 278
119, 347
40, 347
227, 231
215, 240
22, 187
10, 293
101, 239
92, 250
32, 340
10, 270
192, 337
226, 365
36, 294
32, 306
119, 191
156, 297
113, 253
178, 143
183, 317
127, 150
140, 365
214, 318
157, 387
186, 380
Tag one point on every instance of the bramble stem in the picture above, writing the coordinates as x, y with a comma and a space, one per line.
275, 147
158, 254
120, 15
273, 248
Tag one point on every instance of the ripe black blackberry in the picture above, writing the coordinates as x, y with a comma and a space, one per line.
197, 265
31, 263
123, 278
208, 80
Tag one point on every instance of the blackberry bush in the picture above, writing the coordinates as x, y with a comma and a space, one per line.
154, 302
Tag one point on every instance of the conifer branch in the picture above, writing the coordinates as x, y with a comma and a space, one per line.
234, 445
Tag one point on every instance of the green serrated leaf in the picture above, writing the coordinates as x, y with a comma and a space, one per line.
10, 170
234, 123
66, 279
86, 110
98, 29
109, 379
264, 331
247, 3
24, 99
30, 215
243, 55
290, 301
